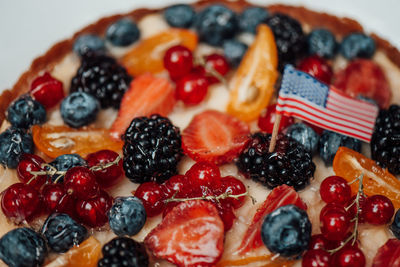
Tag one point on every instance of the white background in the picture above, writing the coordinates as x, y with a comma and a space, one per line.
29, 27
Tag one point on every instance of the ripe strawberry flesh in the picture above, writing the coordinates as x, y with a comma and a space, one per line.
191, 234
388, 254
214, 136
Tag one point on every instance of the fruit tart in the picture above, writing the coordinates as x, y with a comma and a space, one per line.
145, 140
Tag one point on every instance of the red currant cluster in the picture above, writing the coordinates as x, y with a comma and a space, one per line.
192, 81
81, 195
202, 181
343, 212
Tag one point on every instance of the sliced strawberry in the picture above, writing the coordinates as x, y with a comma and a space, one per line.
215, 136
147, 95
191, 234
388, 254
281, 196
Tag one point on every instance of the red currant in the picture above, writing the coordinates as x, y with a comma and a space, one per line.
334, 223
178, 60
335, 189
227, 215
56, 199
108, 176
81, 182
316, 258
204, 174
352, 208
349, 256
267, 119
93, 212
26, 165
378, 210
20, 202
174, 185
218, 63
192, 89
151, 194
320, 242
317, 67
47, 90
235, 187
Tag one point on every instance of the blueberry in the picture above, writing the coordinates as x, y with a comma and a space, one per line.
79, 109
357, 45
286, 231
13, 143
215, 24
25, 112
66, 162
123, 32
62, 232
305, 135
322, 42
88, 43
251, 18
395, 226
180, 16
23, 247
330, 143
127, 216
234, 51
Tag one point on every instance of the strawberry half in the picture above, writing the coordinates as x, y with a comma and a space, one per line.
215, 137
147, 95
280, 196
191, 234
388, 254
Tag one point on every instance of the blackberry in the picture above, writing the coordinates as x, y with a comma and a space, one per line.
385, 142
124, 252
289, 37
289, 164
102, 77
152, 149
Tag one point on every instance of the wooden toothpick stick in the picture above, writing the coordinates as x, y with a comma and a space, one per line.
275, 133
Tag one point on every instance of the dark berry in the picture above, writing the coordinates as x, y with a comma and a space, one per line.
23, 247
178, 60
215, 24
102, 77
330, 143
287, 231
357, 45
349, 256
127, 216
322, 42
47, 90
289, 164
93, 212
192, 89
31, 163
316, 258
335, 189
251, 17
62, 232
152, 149
88, 43
335, 222
378, 210
64, 163
267, 118
317, 67
234, 51
14, 143
289, 38
25, 112
395, 226
152, 196
109, 176
304, 135
180, 15
217, 63
81, 182
123, 32
385, 144
79, 109
123, 251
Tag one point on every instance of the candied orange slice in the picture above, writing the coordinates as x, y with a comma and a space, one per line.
148, 55
350, 164
84, 255
269, 260
58, 140
253, 83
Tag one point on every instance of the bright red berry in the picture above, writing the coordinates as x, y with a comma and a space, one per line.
177, 184
334, 223
93, 212
218, 63
349, 256
47, 90
335, 189
192, 89
31, 163
20, 202
151, 194
81, 182
227, 215
109, 176
352, 208
178, 60
317, 67
316, 258
56, 199
378, 210
320, 242
205, 174
233, 186
267, 119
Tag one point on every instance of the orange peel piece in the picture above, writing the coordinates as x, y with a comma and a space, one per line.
269, 260
84, 255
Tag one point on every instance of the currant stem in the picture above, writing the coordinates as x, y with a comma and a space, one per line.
210, 70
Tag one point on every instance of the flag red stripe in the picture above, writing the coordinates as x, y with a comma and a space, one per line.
344, 111
342, 97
